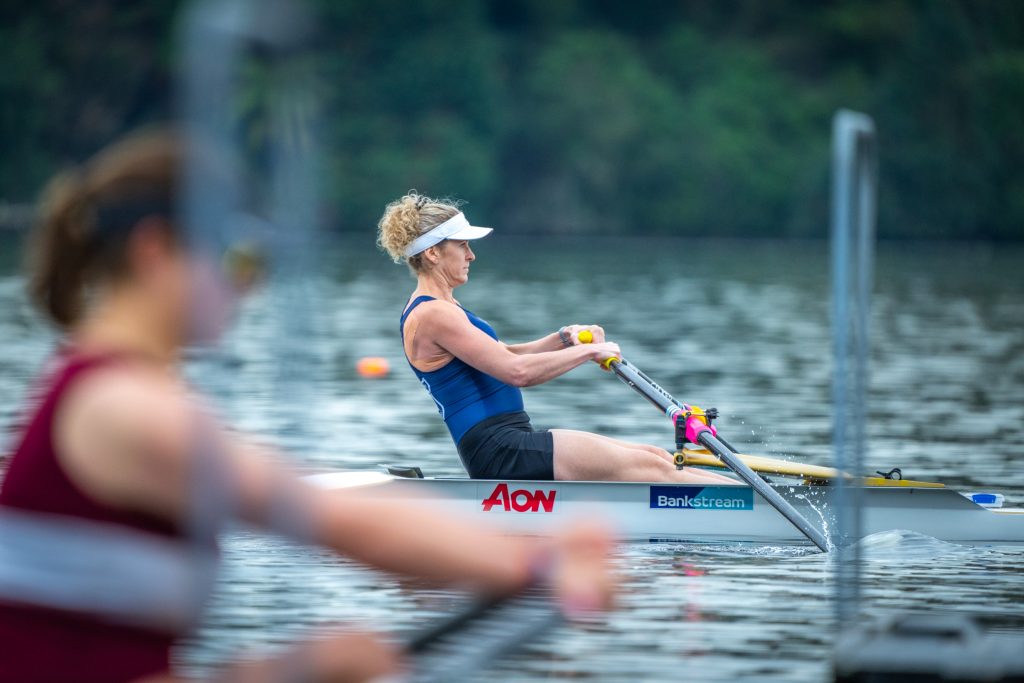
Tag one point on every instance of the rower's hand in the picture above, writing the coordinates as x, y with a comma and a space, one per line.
599, 353
595, 334
581, 570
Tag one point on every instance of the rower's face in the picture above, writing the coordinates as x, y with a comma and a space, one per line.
456, 255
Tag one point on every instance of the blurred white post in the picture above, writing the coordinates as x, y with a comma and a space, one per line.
854, 187
250, 191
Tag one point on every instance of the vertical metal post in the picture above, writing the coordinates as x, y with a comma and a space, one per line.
238, 193
854, 187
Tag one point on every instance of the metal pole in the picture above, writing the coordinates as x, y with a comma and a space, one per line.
854, 188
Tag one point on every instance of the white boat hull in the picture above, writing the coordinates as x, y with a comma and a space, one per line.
652, 512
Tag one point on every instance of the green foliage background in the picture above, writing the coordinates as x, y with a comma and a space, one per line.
588, 116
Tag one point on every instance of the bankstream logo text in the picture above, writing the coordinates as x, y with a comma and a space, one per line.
702, 497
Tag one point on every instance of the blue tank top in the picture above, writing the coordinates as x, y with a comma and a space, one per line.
463, 394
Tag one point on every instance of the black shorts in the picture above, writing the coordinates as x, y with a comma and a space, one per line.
506, 446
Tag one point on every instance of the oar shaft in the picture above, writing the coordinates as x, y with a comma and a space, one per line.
709, 441
637, 381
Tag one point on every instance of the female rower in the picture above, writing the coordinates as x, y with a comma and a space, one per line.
110, 502
475, 379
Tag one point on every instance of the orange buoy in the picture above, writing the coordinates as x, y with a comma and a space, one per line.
373, 366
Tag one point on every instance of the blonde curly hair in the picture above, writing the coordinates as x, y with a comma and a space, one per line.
406, 219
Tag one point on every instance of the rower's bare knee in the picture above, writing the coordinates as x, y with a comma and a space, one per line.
649, 466
661, 453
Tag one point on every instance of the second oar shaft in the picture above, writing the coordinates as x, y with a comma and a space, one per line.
661, 399
709, 441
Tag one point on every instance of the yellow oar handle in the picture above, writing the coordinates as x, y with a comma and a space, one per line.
586, 337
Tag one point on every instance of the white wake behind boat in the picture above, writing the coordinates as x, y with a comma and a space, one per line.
655, 512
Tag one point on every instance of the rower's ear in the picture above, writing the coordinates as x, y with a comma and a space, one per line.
433, 254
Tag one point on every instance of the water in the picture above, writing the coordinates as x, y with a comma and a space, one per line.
738, 325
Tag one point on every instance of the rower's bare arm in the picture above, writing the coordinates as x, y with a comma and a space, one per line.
553, 341
404, 537
121, 434
411, 538
449, 328
549, 342
131, 440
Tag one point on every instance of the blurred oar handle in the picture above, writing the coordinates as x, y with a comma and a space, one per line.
463, 645
587, 337
451, 624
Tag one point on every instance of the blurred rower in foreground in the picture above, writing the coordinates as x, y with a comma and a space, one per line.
106, 506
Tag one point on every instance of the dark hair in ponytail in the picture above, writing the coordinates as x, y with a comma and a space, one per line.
87, 214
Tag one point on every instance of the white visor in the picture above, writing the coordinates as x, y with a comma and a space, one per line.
455, 228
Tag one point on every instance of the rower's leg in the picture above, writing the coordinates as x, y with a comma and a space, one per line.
660, 452
581, 455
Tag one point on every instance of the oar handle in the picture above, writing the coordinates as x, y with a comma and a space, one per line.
586, 337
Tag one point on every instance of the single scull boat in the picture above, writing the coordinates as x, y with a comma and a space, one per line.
670, 512
754, 509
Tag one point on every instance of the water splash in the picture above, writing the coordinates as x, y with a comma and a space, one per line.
823, 511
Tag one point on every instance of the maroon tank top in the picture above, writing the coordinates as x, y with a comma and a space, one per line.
38, 644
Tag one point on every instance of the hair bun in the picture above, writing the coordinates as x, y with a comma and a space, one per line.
65, 254
407, 218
